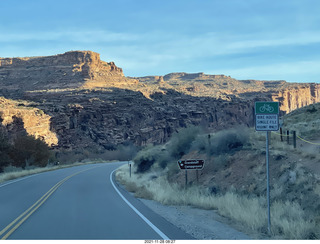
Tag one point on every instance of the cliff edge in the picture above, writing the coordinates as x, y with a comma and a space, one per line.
69, 70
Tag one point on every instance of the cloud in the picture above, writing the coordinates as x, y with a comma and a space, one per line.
301, 71
87, 36
179, 45
152, 52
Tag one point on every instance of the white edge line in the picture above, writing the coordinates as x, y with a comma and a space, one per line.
159, 232
17, 180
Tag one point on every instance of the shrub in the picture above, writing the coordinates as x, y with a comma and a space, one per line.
4, 150
146, 158
191, 139
181, 142
27, 151
228, 140
312, 110
122, 153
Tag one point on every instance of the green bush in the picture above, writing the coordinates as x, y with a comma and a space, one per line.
27, 151
228, 140
5, 159
180, 143
146, 158
122, 152
191, 139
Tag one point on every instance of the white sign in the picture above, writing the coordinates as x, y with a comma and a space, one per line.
267, 116
267, 122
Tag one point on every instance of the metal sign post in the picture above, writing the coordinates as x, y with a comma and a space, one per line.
268, 182
129, 168
267, 119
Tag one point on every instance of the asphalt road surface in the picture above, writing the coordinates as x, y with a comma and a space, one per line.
78, 203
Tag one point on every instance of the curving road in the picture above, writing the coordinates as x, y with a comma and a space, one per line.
77, 203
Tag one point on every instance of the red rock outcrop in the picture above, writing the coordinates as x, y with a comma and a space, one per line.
68, 70
297, 96
89, 103
17, 117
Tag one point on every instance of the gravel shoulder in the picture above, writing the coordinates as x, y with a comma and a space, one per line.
199, 223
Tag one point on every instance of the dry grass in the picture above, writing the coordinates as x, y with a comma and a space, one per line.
288, 219
21, 173
18, 173
294, 184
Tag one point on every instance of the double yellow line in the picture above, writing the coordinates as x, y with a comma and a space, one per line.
26, 214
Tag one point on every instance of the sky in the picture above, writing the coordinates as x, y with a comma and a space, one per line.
244, 39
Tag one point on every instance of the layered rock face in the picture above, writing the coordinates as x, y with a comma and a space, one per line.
89, 103
68, 70
290, 95
106, 118
297, 96
17, 117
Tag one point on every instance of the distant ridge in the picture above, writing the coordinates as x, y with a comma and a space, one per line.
89, 104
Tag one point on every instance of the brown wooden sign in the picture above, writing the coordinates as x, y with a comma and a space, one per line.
191, 164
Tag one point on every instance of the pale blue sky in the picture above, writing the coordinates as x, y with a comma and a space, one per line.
246, 39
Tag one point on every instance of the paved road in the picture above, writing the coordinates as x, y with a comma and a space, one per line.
77, 203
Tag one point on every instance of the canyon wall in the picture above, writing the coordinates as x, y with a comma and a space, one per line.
297, 96
75, 101
68, 70
17, 118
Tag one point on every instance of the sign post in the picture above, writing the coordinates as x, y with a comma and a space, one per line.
267, 119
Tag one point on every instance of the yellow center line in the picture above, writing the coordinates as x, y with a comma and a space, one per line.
26, 214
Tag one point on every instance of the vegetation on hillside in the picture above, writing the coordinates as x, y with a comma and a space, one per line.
24, 151
187, 140
233, 181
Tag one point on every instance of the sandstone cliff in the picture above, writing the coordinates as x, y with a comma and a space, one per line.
17, 117
68, 70
297, 96
89, 103
290, 95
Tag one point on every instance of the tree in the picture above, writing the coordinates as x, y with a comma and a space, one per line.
5, 159
29, 151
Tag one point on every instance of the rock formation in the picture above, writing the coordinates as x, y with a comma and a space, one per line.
68, 70
17, 117
89, 103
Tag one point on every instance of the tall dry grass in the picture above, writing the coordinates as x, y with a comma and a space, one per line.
288, 219
18, 173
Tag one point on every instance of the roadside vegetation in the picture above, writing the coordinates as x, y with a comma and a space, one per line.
233, 181
11, 172
23, 151
22, 154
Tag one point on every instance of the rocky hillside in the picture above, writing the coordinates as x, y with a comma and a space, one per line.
19, 116
91, 104
68, 70
290, 95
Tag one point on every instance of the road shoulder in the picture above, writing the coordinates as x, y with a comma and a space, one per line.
199, 223
195, 223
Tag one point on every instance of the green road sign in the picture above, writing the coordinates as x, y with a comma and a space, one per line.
267, 116
267, 108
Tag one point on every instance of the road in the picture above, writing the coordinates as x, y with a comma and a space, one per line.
78, 203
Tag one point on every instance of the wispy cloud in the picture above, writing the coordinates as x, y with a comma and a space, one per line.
152, 52
210, 43
290, 71
83, 36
